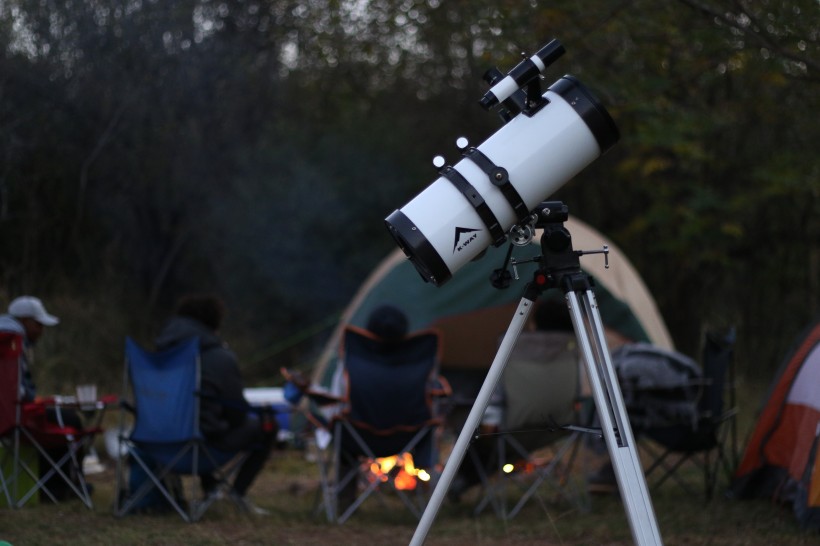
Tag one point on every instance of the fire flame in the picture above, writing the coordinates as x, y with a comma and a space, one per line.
524, 466
405, 475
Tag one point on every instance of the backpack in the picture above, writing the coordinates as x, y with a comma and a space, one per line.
660, 387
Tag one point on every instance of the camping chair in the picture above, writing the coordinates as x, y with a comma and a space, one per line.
390, 410
24, 424
710, 440
530, 453
164, 443
11, 346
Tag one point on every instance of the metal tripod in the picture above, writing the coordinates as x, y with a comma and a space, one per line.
559, 267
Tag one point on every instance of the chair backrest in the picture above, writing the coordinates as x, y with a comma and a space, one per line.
11, 347
165, 388
718, 354
541, 380
389, 382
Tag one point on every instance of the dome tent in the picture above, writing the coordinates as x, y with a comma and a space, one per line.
780, 461
471, 314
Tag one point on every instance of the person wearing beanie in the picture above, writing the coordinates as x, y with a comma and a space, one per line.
388, 322
389, 326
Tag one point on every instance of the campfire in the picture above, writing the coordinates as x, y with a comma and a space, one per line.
526, 466
405, 475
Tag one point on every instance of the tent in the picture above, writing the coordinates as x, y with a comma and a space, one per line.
471, 314
780, 459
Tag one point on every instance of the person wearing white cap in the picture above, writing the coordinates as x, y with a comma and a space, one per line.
28, 317
31, 307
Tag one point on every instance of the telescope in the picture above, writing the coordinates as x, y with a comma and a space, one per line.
497, 192
548, 138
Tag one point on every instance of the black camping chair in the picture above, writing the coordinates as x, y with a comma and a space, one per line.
390, 409
710, 440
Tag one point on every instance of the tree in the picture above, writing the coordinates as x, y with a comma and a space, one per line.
253, 147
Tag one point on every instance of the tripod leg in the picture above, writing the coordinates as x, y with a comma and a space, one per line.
473, 420
614, 420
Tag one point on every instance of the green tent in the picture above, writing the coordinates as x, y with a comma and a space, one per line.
472, 315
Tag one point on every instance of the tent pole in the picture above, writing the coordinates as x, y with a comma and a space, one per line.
559, 267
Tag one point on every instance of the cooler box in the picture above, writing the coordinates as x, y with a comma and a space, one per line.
29, 456
273, 398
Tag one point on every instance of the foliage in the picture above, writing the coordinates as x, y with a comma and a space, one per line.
253, 147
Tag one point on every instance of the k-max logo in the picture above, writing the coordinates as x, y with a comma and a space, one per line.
464, 236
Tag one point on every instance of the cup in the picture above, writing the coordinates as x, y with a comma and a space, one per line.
86, 395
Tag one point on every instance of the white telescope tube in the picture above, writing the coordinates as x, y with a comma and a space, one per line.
446, 226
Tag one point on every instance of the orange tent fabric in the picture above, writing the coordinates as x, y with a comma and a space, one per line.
779, 451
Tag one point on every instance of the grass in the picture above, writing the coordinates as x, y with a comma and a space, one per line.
288, 488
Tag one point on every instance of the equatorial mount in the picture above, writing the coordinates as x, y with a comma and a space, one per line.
556, 248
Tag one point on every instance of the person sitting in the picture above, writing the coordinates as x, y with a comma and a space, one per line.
390, 326
226, 420
27, 316
535, 395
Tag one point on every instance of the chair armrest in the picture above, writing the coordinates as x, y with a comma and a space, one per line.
297, 386
323, 398
110, 399
440, 387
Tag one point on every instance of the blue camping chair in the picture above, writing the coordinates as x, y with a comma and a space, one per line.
390, 410
165, 442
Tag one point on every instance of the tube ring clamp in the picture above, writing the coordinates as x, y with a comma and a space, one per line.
474, 198
500, 178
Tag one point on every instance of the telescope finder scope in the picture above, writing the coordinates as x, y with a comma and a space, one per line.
522, 74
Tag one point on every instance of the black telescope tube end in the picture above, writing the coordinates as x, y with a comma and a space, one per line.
584, 102
418, 249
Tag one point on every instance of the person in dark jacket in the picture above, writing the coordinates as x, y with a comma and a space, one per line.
226, 420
